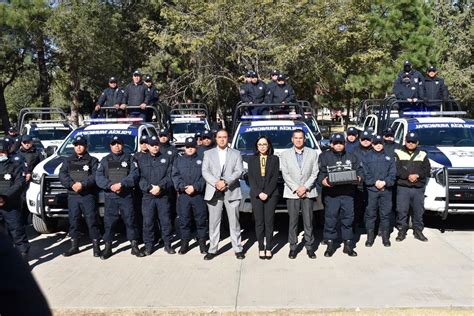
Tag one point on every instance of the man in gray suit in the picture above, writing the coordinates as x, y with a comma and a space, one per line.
299, 166
221, 168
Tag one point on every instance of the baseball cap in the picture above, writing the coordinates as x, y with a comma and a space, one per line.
337, 138
412, 137
352, 131
275, 72
366, 135
163, 132
281, 77
206, 134
407, 63
153, 141
116, 139
79, 140
190, 142
112, 80
137, 73
389, 132
377, 139
148, 78
144, 139
26, 139
432, 68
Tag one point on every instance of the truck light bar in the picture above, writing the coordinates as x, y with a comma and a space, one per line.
188, 115
270, 116
434, 113
113, 120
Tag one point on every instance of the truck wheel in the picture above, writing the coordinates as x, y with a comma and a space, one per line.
44, 226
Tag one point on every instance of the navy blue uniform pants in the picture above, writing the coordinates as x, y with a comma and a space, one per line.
152, 209
380, 201
360, 204
83, 206
338, 208
16, 228
114, 209
190, 207
415, 198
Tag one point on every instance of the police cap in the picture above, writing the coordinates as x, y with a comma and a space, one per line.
144, 139
377, 139
26, 139
281, 77
407, 63
432, 69
164, 132
148, 78
153, 141
137, 73
79, 140
197, 134
275, 72
116, 140
389, 132
112, 80
190, 142
12, 129
337, 138
412, 137
206, 134
352, 131
366, 135
251, 74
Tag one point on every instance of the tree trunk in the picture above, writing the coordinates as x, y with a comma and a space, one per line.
75, 84
43, 84
348, 113
3, 109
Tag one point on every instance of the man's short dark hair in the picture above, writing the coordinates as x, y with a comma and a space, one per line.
222, 130
298, 130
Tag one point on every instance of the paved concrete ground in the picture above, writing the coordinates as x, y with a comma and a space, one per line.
411, 274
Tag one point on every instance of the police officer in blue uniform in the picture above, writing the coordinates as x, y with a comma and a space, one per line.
273, 79
135, 94
254, 91
413, 172
389, 142
207, 142
11, 184
165, 147
379, 177
415, 76
117, 174
155, 184
110, 97
434, 88
77, 175
338, 198
405, 89
351, 139
281, 93
190, 185
143, 147
153, 96
13, 139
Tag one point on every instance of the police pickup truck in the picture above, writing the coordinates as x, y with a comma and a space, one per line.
46, 197
449, 142
186, 120
279, 129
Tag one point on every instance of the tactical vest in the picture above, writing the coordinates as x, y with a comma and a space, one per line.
117, 170
7, 178
78, 172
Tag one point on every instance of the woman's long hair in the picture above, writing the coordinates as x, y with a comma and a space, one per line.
269, 148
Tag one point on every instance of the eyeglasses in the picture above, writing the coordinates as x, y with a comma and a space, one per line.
411, 142
262, 145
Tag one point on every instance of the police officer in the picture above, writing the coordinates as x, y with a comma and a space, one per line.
281, 93
413, 172
110, 97
360, 201
143, 147
13, 139
155, 183
77, 174
11, 184
338, 199
254, 91
197, 137
165, 147
207, 142
153, 96
379, 177
135, 94
434, 88
389, 142
30, 156
244, 88
273, 79
405, 89
117, 175
351, 139
415, 76
190, 185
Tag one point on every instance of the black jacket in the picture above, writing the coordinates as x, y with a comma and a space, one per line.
253, 93
187, 170
268, 183
128, 182
435, 89
71, 170
412, 163
153, 96
135, 94
405, 91
280, 94
111, 97
12, 180
31, 157
155, 170
379, 166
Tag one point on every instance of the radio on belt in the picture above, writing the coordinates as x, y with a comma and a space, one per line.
342, 174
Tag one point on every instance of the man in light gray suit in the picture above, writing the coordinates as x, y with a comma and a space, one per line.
299, 167
221, 168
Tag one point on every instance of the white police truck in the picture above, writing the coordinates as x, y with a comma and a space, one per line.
46, 197
187, 119
449, 142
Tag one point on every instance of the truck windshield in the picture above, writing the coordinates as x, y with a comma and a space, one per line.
452, 137
281, 139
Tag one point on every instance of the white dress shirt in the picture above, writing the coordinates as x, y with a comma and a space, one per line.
222, 156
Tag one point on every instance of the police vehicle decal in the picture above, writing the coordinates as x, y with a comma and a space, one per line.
249, 129
51, 165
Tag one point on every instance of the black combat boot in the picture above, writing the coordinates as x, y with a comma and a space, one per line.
386, 239
74, 248
169, 249
107, 253
96, 247
202, 246
135, 250
419, 235
349, 248
148, 249
402, 234
330, 249
370, 238
184, 247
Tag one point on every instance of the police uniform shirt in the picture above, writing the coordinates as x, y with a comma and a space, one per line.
110, 97
115, 166
379, 166
135, 94
435, 89
169, 151
11, 181
32, 157
280, 94
155, 170
153, 96
79, 169
187, 170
